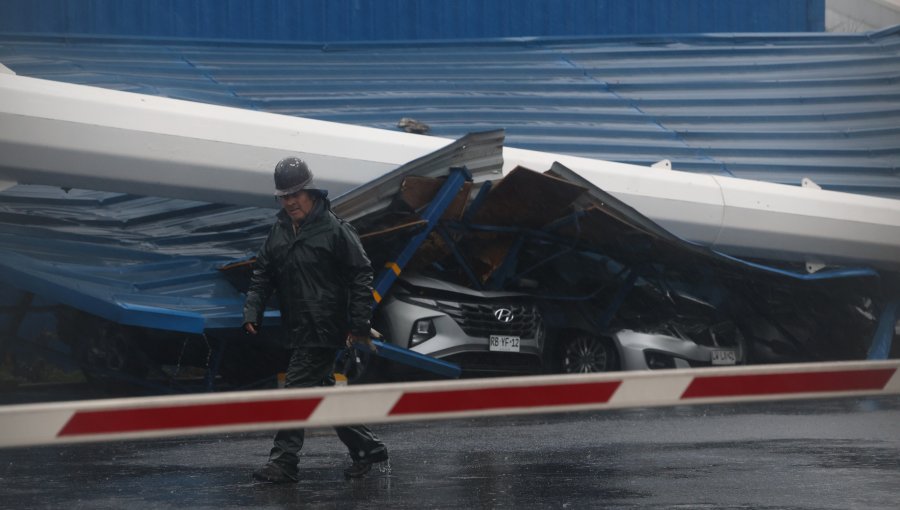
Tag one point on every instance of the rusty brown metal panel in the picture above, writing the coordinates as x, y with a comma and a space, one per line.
417, 192
525, 198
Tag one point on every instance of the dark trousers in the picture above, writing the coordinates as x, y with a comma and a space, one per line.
309, 367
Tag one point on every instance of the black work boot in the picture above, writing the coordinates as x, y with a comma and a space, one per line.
364, 464
273, 472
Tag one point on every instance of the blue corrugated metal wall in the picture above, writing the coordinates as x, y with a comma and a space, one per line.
379, 20
768, 107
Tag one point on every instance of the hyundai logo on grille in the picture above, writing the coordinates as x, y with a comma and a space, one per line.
503, 314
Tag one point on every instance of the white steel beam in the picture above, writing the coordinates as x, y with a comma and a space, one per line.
77, 136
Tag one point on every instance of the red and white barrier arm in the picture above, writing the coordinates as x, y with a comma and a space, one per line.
147, 417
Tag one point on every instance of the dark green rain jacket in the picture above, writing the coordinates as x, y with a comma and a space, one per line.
323, 279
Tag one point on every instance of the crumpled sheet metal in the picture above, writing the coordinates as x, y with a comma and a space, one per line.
525, 198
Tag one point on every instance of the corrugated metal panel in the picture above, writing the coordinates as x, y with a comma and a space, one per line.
135, 260
480, 153
368, 20
775, 108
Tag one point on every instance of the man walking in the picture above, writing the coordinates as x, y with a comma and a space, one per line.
316, 263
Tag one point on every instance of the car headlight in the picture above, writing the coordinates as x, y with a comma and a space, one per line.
422, 330
658, 360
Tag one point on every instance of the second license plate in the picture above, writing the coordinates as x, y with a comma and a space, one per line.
723, 358
504, 343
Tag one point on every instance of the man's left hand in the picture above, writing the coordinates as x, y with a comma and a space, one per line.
361, 339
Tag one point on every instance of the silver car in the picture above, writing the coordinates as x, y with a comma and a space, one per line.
655, 350
632, 350
486, 333
653, 331
499, 333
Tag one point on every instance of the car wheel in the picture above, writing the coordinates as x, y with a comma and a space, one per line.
584, 354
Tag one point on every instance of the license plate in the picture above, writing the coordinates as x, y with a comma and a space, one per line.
504, 343
723, 358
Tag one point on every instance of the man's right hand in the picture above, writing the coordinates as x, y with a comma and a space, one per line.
249, 328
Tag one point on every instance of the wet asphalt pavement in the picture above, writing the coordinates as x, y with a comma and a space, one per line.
842, 453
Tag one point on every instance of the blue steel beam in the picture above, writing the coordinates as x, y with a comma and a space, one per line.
432, 214
884, 334
414, 359
460, 259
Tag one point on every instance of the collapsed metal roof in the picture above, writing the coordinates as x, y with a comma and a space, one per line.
154, 262
130, 259
773, 107
157, 263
